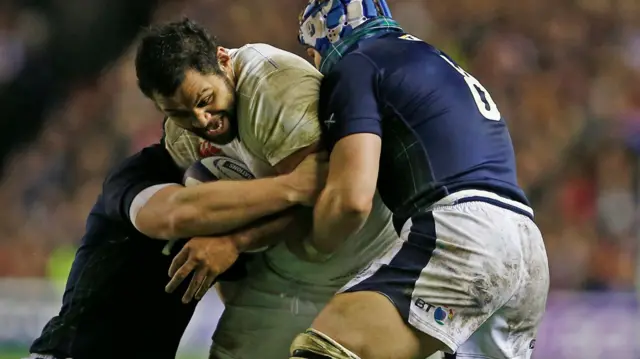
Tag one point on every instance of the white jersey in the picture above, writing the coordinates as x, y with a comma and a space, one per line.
276, 108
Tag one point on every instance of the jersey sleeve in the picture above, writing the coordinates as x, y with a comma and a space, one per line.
182, 145
348, 99
283, 114
149, 167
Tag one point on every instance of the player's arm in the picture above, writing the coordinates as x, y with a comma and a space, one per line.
183, 147
211, 208
145, 189
208, 257
353, 131
293, 223
270, 230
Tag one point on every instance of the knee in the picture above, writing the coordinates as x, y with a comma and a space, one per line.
368, 325
337, 322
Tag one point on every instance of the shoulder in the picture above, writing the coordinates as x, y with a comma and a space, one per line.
348, 77
264, 71
151, 166
284, 97
276, 57
148, 164
285, 87
183, 146
261, 67
355, 63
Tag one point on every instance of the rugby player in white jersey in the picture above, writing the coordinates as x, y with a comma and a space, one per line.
259, 105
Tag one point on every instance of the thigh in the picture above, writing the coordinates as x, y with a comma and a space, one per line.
368, 324
245, 332
264, 313
454, 268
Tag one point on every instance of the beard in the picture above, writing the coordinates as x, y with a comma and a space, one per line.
227, 122
226, 127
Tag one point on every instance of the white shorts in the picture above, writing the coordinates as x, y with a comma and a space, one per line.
471, 272
265, 313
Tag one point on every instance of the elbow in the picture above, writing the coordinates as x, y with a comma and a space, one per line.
356, 209
350, 203
156, 228
165, 219
342, 214
168, 227
355, 204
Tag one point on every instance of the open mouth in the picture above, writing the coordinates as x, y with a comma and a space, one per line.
216, 127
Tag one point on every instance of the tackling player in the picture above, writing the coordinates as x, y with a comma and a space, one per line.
470, 274
259, 105
114, 305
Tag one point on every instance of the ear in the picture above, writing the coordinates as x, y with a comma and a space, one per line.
311, 53
223, 56
316, 58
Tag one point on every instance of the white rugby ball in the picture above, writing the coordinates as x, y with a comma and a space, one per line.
214, 168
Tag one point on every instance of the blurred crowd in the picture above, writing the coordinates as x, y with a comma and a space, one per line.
565, 74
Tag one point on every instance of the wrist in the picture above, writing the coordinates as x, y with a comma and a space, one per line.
238, 241
290, 193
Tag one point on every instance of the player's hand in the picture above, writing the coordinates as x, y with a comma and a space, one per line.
207, 258
309, 178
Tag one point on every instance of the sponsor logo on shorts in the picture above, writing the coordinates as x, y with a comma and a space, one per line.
441, 315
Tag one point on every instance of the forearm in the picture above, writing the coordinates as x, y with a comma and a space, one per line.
223, 206
346, 201
334, 220
292, 224
212, 208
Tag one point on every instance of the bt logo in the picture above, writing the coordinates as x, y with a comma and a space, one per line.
440, 314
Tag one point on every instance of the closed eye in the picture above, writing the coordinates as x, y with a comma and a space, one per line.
205, 101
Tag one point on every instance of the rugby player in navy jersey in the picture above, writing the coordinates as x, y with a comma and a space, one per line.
115, 305
469, 275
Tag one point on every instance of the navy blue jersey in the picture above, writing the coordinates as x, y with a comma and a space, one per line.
114, 304
441, 131
114, 301
151, 166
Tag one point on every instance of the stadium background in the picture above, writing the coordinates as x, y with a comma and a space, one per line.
565, 73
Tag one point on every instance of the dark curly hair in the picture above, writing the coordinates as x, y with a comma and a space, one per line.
168, 50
